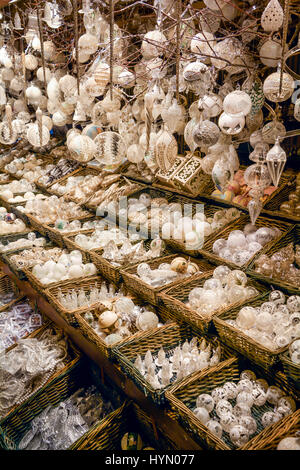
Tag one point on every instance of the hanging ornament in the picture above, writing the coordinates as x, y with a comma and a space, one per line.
270, 53
153, 44
111, 149
276, 160
194, 71
165, 150
254, 121
206, 133
209, 21
135, 153
271, 87
272, 130
92, 130
8, 134
297, 109
17, 22
272, 17
33, 94
249, 27
211, 104
231, 125
237, 103
188, 133
174, 116
221, 174
38, 135
257, 177
203, 44
31, 62
82, 148
79, 114
215, 4
259, 153
254, 88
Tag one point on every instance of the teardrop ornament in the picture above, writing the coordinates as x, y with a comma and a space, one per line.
272, 17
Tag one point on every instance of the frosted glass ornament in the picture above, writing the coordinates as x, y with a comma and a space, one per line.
246, 317
270, 53
228, 421
34, 138
202, 414
214, 427
205, 400
206, 133
237, 103
223, 407
88, 44
211, 104
82, 148
239, 435
274, 394
165, 150
126, 79
53, 90
50, 51
135, 153
68, 85
271, 87
230, 390
194, 71
203, 43
33, 94
272, 16
153, 43
289, 443
31, 62
102, 74
40, 74
59, 119
231, 125
257, 176
269, 418
79, 113
17, 84
111, 148
215, 4
276, 160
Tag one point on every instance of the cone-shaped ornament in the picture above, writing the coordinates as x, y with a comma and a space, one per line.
276, 160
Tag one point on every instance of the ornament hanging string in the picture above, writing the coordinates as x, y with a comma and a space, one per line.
42, 45
111, 45
284, 38
75, 12
178, 5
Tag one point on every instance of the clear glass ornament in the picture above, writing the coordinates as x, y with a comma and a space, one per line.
270, 52
111, 148
271, 87
82, 148
237, 103
276, 160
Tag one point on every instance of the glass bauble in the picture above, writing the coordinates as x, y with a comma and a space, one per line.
88, 44
40, 74
272, 130
165, 150
203, 44
188, 134
231, 125
215, 4
257, 176
211, 104
34, 137
194, 71
271, 87
297, 110
59, 119
68, 85
272, 17
209, 21
206, 133
33, 94
276, 160
53, 90
152, 45
135, 153
270, 53
82, 148
101, 74
92, 130
31, 62
111, 148
237, 103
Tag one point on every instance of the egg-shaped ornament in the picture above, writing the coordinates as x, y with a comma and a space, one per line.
101, 74
276, 160
257, 176
188, 134
59, 119
36, 44
272, 90
88, 44
203, 44
71, 134
33, 94
111, 149
31, 62
206, 133
53, 90
165, 150
270, 52
126, 79
135, 153
194, 71
8, 135
50, 52
211, 104
221, 174
272, 17
68, 85
40, 74
92, 130
82, 148
237, 103
231, 125
47, 121
153, 44
272, 130
17, 84
229, 50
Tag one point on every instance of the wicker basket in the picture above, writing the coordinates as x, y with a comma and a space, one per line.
239, 224
82, 172
58, 237
36, 224
210, 187
149, 293
243, 343
6, 286
209, 211
272, 208
270, 437
52, 292
175, 298
59, 180
14, 236
52, 378
14, 239
293, 236
107, 436
292, 370
182, 398
170, 336
89, 332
